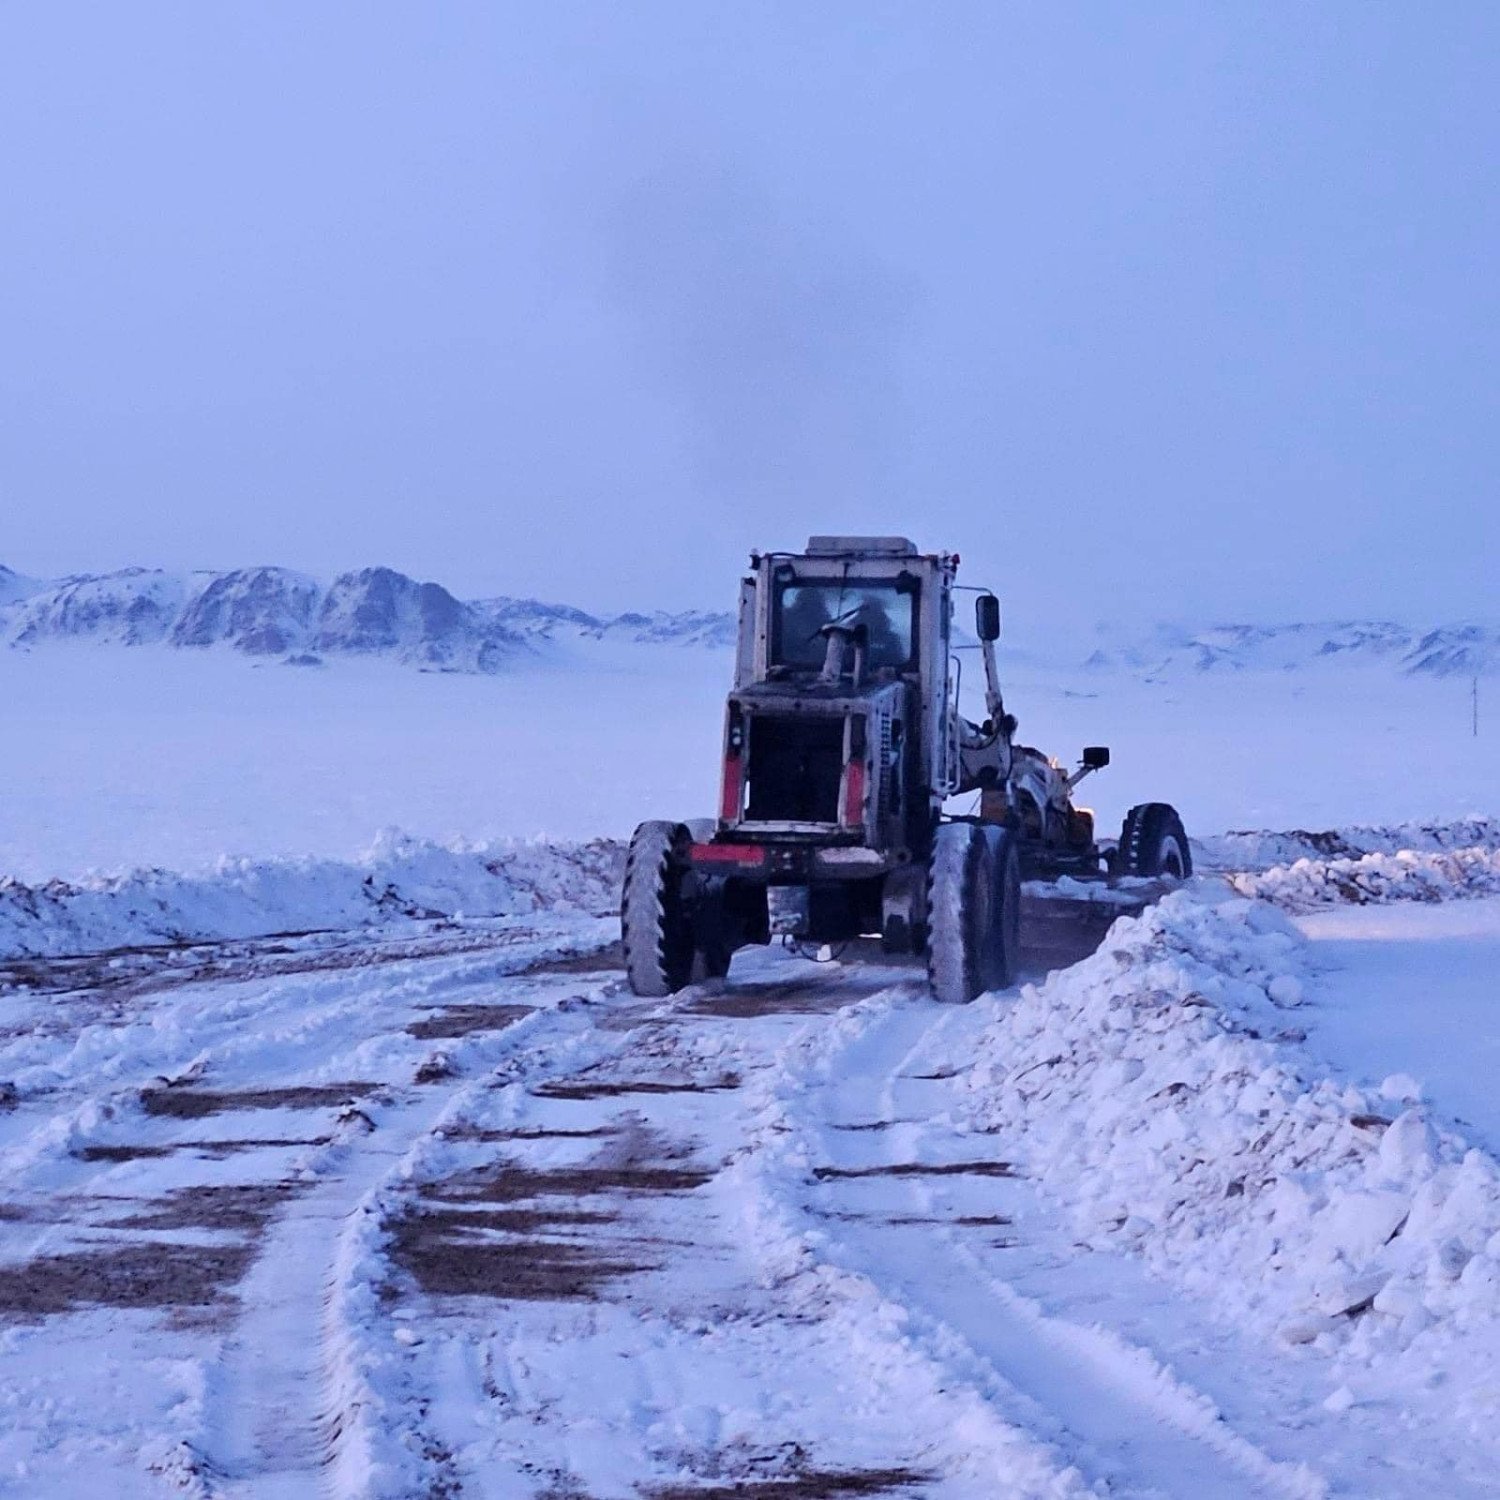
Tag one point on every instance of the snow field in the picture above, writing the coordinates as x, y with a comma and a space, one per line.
1415, 987
112, 759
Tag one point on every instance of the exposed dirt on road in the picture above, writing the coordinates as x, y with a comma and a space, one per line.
243, 1209
825, 1484
463, 1020
767, 1000
604, 960
198, 1104
446, 1258
586, 1089
140, 1276
919, 1169
141, 1151
132, 1273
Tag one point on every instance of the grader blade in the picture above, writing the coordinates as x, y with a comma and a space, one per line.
1063, 921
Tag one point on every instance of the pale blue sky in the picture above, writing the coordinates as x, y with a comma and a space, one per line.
1148, 309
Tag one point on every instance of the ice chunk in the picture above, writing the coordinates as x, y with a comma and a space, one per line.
1401, 1087
1285, 990
1408, 1146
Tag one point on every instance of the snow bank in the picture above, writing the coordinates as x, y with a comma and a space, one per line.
1405, 876
1259, 849
1160, 1088
397, 880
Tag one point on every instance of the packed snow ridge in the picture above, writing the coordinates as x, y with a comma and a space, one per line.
397, 882
401, 879
1259, 849
1450, 875
275, 612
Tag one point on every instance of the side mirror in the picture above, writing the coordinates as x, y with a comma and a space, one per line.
1095, 757
987, 617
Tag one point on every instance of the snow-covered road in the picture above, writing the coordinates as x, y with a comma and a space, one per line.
450, 1213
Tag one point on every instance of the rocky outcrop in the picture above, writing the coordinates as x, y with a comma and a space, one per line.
377, 611
260, 611
135, 607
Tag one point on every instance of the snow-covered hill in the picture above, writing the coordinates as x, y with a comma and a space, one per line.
1458, 650
534, 620
276, 612
379, 612
13, 586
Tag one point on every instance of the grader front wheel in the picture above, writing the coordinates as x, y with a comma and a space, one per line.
1153, 843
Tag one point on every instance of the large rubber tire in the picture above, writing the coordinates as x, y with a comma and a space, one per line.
1006, 855
1153, 844
654, 926
712, 947
974, 910
711, 963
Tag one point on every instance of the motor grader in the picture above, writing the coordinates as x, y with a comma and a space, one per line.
843, 747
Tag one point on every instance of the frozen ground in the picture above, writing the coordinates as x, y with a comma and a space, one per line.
431, 1206
111, 759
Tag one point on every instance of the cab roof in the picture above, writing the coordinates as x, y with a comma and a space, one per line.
845, 546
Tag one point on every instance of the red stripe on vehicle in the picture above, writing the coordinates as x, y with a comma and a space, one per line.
854, 793
728, 854
734, 786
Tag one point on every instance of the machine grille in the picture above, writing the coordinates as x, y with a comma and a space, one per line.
795, 766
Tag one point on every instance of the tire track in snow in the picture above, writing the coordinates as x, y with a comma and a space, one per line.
226, 1390
274, 1407
713, 1363
291, 1405
1127, 1422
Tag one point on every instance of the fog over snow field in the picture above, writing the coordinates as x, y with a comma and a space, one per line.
111, 757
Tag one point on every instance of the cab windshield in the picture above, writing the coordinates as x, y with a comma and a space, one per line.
885, 610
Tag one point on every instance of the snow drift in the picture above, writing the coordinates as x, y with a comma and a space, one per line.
1261, 849
398, 880
1405, 876
1161, 1090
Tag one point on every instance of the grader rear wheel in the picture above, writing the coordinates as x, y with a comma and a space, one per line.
654, 924
974, 901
